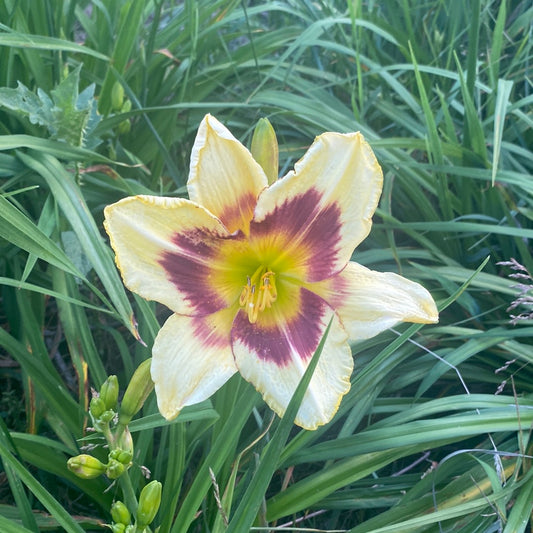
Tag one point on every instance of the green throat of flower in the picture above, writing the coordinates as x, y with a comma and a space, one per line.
259, 293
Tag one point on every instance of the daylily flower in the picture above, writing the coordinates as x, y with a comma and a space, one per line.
255, 273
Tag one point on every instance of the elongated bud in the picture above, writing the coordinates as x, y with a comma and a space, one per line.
109, 392
138, 390
265, 149
86, 466
149, 502
120, 513
97, 407
117, 96
125, 442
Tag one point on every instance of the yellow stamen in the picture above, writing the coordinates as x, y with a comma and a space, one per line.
259, 293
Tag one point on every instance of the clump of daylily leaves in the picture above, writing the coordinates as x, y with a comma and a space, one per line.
111, 419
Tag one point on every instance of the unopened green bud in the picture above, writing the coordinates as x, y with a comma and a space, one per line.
107, 416
125, 442
265, 149
109, 392
120, 513
114, 469
149, 502
126, 106
86, 466
124, 127
138, 390
117, 96
117, 528
96, 407
121, 456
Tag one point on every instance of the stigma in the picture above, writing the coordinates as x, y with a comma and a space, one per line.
259, 293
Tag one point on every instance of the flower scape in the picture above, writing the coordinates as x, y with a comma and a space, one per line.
254, 273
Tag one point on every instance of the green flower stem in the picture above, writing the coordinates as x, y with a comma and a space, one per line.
128, 493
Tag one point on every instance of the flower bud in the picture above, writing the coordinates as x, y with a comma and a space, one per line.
125, 442
120, 513
124, 127
126, 106
86, 466
117, 96
121, 456
107, 416
96, 407
114, 469
265, 149
149, 502
117, 528
109, 392
139, 388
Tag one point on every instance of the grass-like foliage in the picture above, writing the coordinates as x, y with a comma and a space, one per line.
101, 99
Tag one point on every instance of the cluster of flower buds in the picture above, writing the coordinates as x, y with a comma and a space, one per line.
112, 419
149, 502
119, 460
104, 404
121, 518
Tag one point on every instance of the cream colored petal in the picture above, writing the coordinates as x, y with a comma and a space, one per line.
224, 177
273, 356
191, 359
167, 249
369, 302
324, 206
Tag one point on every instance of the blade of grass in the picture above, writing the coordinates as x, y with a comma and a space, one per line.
474, 136
230, 430
47, 500
49, 292
128, 33
17, 489
249, 505
19, 230
8, 526
434, 144
57, 149
78, 334
51, 456
318, 486
69, 197
15, 39
521, 515
500, 111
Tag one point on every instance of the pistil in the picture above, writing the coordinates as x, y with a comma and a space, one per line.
259, 293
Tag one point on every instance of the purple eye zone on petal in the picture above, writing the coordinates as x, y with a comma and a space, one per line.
300, 335
232, 216
189, 268
304, 221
